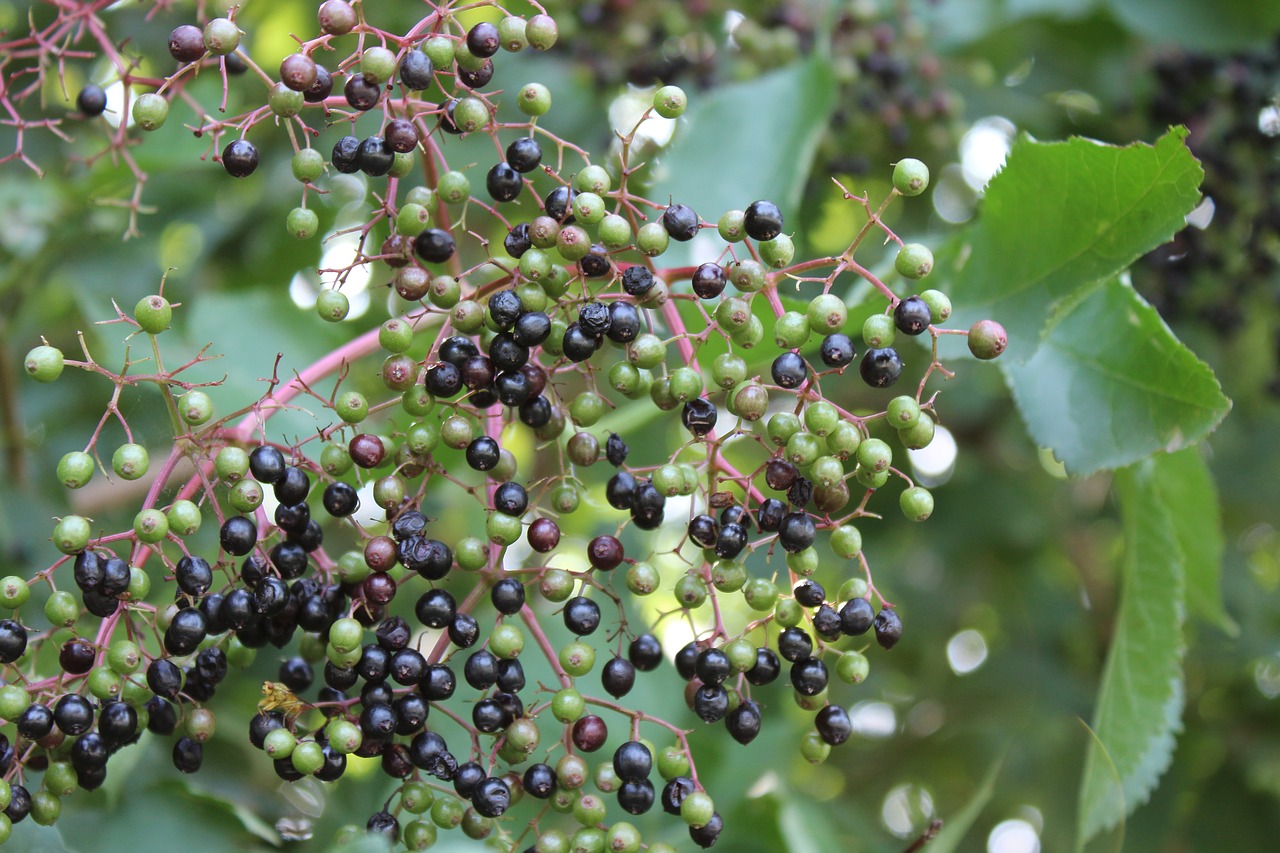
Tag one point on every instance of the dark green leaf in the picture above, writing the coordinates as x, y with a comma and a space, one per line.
1110, 384
1064, 215
1140, 702
714, 162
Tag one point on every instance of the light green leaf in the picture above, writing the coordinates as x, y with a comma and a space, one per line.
1062, 216
1110, 384
1140, 702
727, 135
1188, 490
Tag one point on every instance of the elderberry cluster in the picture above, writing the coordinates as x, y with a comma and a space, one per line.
406, 639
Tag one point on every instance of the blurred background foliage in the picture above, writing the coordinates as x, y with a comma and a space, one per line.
1008, 593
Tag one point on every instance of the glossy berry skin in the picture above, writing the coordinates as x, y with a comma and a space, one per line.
92, 100
856, 617
581, 616
434, 245
645, 652
503, 183
240, 158
483, 41
507, 596
590, 733
680, 222
709, 280
238, 535
809, 676
797, 532
763, 220
744, 722
633, 762
912, 316
834, 725
699, 416
345, 156
880, 368
837, 350
888, 627
789, 370
540, 781
605, 553
618, 677
987, 339
524, 154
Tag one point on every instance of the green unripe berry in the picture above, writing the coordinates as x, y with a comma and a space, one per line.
221, 36
511, 32
439, 49
777, 252
150, 526
919, 434
75, 469
814, 749
589, 810
852, 667
60, 608
231, 464
14, 592
13, 701
45, 808
139, 584
153, 313
878, 331
647, 351
747, 275
567, 705
302, 223
389, 491
686, 384
285, 102
130, 461
781, 426
788, 613
503, 529
903, 412
615, 232
761, 594
652, 239
415, 797
307, 165
846, 541
195, 407
731, 226
914, 260
44, 363
749, 401
791, 330
820, 417
280, 743
351, 406
750, 336
471, 554
346, 634
728, 370
875, 455
469, 115
377, 64
870, 477
573, 243
307, 757
506, 641
535, 264
124, 657
453, 188
245, 496
803, 449
843, 441
150, 111
939, 305
643, 579
691, 592
468, 316
332, 305
670, 102
395, 335
577, 658
412, 220
987, 339
71, 534
910, 176
542, 32
916, 503
534, 99
60, 779
589, 208
827, 313
697, 809
803, 562
593, 179
826, 472
419, 835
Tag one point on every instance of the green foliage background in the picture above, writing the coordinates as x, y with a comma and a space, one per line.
1055, 572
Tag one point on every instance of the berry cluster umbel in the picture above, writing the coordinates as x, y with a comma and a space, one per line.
410, 644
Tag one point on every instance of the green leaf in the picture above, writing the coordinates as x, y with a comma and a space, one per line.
1188, 490
1110, 384
955, 827
714, 164
1140, 702
1064, 215
1192, 24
